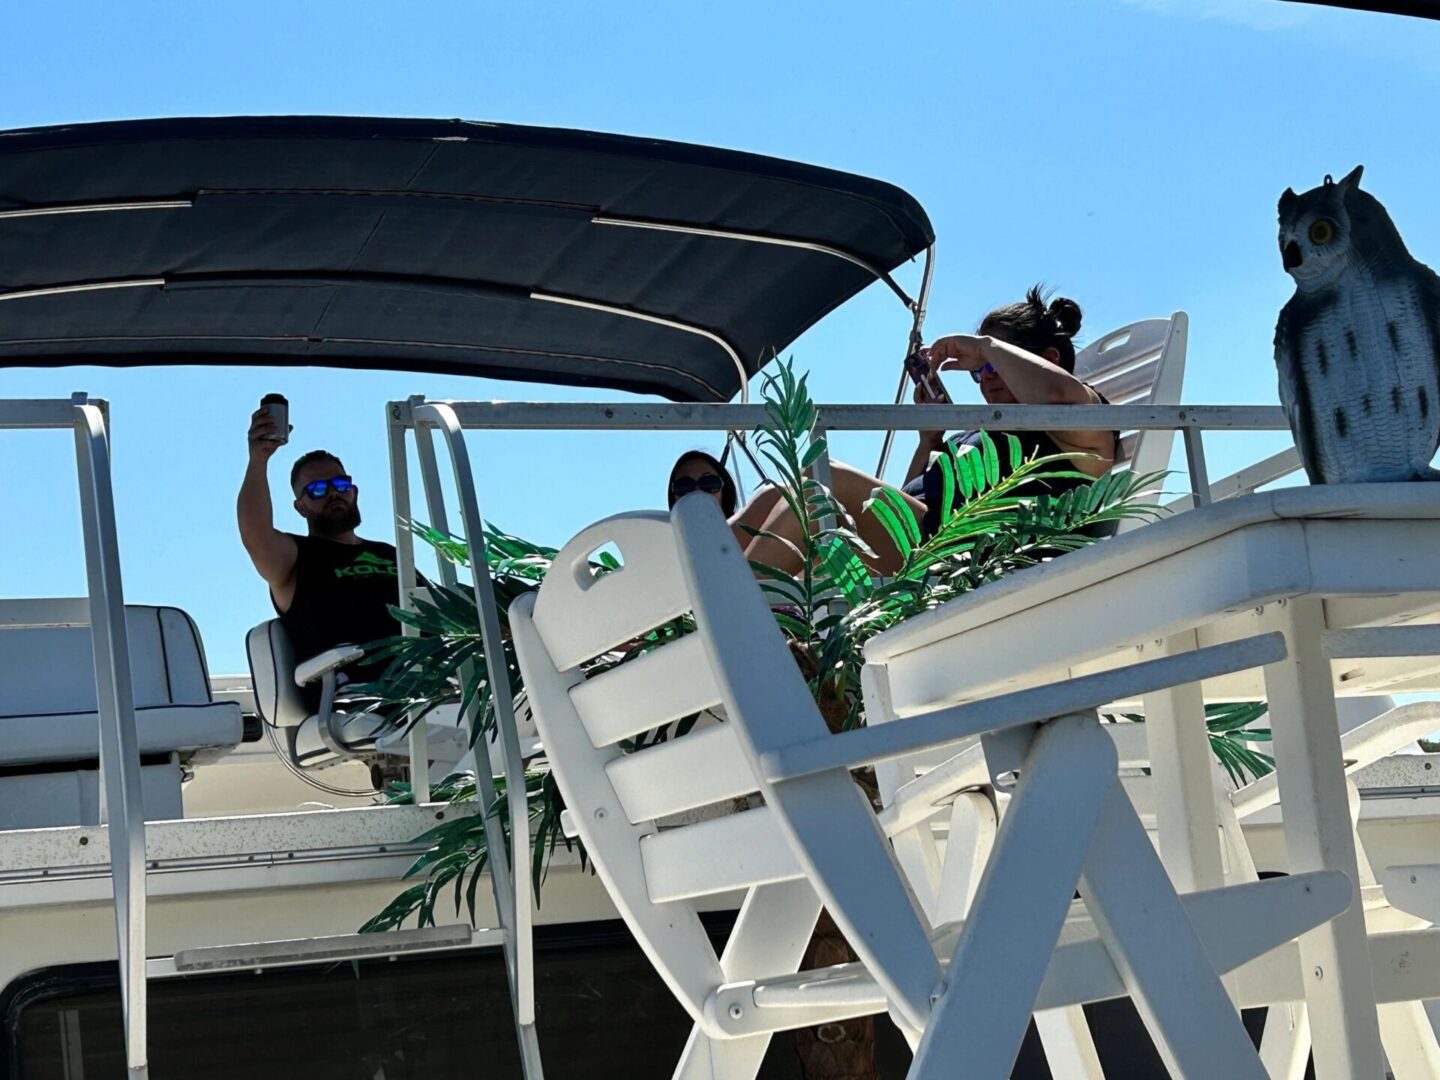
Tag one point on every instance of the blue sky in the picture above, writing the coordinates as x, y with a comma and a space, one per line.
1129, 152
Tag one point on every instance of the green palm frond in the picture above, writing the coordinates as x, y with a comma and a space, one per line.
1228, 725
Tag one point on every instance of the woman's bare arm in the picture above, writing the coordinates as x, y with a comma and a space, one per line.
1034, 381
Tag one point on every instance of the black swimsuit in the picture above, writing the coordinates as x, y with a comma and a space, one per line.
928, 486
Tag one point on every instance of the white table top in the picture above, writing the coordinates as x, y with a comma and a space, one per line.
1197, 569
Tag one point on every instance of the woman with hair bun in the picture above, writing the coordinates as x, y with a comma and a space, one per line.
1024, 354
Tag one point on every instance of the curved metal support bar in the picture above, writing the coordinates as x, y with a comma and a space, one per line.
759, 238
916, 339
512, 884
922, 303
96, 208
439, 519
890, 432
119, 745
659, 320
91, 286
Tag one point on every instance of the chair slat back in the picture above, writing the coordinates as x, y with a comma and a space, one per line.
709, 763
581, 613
647, 691
1140, 364
617, 793
686, 864
829, 823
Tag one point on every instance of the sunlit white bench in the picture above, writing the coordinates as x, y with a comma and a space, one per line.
49, 719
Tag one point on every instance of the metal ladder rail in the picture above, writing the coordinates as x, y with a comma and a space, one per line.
122, 801
510, 882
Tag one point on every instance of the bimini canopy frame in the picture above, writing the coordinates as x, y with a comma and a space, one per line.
450, 246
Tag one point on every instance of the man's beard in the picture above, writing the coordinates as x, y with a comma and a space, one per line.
337, 524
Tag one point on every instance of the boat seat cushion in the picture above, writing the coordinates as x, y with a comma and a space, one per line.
75, 736
48, 706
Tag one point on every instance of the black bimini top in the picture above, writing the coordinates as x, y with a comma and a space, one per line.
428, 245
1420, 9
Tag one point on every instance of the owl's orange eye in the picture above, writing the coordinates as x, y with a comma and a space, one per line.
1322, 231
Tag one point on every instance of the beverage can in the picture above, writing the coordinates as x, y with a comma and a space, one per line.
279, 410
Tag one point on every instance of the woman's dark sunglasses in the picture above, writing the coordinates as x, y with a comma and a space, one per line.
320, 488
709, 483
978, 372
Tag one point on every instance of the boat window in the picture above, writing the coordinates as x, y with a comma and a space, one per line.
602, 1012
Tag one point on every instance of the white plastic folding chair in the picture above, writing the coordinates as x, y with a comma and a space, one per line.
817, 838
616, 798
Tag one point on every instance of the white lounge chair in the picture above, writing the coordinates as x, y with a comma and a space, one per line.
1140, 364
815, 833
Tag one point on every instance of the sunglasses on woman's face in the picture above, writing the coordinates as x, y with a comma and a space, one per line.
709, 483
318, 489
979, 373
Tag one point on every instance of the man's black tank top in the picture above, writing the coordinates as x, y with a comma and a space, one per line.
341, 597
928, 486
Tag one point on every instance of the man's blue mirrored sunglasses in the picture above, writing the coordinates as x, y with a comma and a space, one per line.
318, 489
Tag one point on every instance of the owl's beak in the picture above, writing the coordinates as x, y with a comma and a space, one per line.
1291, 255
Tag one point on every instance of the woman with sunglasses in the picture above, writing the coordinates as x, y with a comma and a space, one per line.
1023, 354
695, 470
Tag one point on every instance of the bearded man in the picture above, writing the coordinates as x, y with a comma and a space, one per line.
329, 587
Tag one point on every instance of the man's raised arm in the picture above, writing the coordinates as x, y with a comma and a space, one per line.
273, 552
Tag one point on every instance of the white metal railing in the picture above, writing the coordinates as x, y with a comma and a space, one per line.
1190, 420
676, 416
121, 800
509, 881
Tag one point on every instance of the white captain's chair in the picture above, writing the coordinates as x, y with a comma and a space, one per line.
318, 739
327, 737
50, 720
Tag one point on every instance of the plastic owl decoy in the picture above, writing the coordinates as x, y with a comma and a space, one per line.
1358, 345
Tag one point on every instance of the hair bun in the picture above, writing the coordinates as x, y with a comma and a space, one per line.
1066, 314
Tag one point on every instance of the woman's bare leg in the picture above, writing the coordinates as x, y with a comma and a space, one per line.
851, 489
754, 514
757, 510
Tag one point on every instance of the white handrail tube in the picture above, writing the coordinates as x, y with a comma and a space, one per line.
511, 883
678, 416
119, 745
405, 567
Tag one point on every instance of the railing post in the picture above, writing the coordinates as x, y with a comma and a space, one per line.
119, 745
509, 879
419, 737
1199, 476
